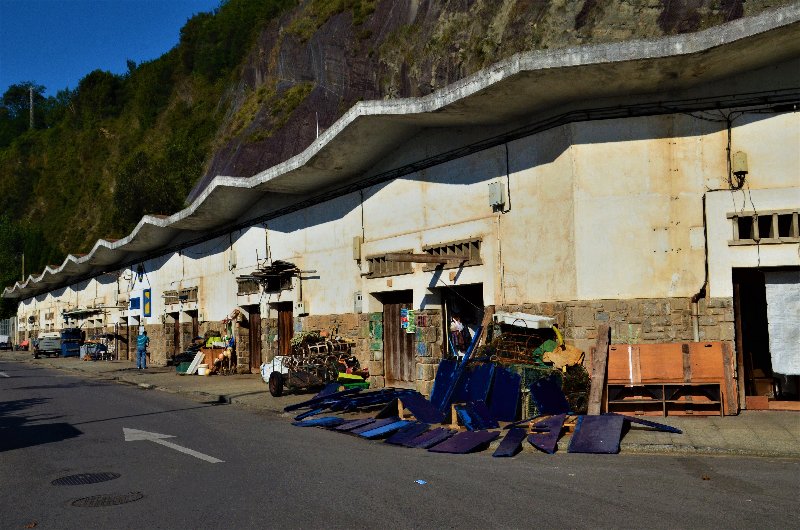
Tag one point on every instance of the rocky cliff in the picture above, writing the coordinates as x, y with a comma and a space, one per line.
314, 62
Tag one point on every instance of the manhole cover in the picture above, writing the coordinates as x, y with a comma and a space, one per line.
84, 478
107, 500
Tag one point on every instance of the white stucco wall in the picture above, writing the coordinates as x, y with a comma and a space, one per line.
604, 209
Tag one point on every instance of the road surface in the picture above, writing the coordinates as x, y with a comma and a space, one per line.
258, 471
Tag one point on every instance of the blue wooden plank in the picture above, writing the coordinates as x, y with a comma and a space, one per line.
352, 424
546, 393
373, 425
314, 401
330, 388
480, 412
432, 437
465, 442
655, 425
504, 395
385, 430
512, 443
548, 441
478, 383
454, 378
407, 433
327, 421
421, 408
308, 413
596, 434
443, 374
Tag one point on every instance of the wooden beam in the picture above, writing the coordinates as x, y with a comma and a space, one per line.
423, 258
599, 360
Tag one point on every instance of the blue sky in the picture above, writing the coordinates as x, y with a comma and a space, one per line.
57, 42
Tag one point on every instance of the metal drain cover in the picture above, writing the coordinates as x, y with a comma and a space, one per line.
84, 478
107, 500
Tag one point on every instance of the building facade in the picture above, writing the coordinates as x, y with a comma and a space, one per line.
653, 186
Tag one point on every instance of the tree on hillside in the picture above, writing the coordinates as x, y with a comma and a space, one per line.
15, 110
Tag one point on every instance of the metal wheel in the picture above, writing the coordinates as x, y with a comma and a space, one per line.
276, 384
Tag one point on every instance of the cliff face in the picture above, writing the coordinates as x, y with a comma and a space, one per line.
316, 61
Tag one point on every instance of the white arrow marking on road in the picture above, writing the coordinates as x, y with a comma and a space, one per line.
133, 435
3, 374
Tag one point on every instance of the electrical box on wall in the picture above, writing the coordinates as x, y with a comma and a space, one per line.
357, 242
358, 302
300, 309
497, 194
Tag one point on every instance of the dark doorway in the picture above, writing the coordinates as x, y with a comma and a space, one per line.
755, 369
466, 301
285, 327
176, 333
254, 338
126, 333
195, 324
399, 358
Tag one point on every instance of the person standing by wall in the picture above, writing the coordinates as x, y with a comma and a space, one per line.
142, 341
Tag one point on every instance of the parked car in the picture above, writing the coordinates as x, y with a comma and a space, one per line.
5, 343
49, 343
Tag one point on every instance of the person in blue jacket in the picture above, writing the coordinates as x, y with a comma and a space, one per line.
142, 341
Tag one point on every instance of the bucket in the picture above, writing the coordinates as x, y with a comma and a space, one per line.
202, 369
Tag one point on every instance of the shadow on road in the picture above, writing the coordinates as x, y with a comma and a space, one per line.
15, 434
205, 406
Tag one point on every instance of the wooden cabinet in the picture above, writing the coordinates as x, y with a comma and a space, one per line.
681, 398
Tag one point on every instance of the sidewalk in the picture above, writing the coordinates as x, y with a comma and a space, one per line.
751, 433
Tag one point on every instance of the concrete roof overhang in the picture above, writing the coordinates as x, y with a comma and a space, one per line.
521, 87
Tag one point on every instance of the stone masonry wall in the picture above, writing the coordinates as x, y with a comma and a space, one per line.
352, 327
637, 320
428, 341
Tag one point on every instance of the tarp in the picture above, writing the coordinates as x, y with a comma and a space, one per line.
783, 308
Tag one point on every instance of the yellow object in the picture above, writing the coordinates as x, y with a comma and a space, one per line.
349, 378
559, 336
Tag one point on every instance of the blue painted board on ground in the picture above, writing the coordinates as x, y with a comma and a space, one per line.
655, 425
421, 408
374, 425
432, 437
314, 401
327, 421
385, 430
548, 441
465, 442
306, 414
596, 434
512, 443
352, 424
407, 433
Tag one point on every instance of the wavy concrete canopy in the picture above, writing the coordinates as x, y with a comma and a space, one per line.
520, 88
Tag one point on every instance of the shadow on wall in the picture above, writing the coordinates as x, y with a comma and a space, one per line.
490, 163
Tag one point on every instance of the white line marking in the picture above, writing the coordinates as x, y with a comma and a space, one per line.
3, 374
133, 435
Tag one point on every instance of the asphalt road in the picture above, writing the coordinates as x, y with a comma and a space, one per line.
54, 425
